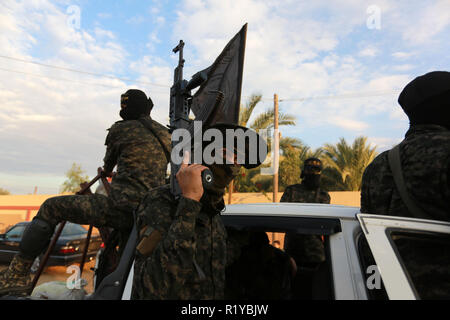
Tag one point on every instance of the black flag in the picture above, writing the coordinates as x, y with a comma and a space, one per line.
218, 98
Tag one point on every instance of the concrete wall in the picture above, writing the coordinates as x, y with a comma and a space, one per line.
9, 218
346, 198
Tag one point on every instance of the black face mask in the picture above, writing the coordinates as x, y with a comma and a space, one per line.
311, 181
134, 104
223, 175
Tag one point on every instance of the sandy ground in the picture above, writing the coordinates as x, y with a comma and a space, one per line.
58, 273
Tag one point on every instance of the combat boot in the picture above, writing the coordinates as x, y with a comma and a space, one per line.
16, 280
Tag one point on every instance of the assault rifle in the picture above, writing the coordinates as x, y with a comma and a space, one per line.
216, 101
180, 107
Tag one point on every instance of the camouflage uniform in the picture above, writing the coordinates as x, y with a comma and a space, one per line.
186, 253
425, 159
307, 250
299, 193
141, 165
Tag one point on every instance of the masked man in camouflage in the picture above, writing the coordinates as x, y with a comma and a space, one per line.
141, 165
307, 250
424, 154
182, 249
425, 166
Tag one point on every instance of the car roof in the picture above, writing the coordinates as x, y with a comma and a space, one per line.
292, 210
22, 223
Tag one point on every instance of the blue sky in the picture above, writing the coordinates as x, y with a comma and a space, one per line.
353, 56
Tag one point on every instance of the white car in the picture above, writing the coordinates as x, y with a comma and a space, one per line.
362, 261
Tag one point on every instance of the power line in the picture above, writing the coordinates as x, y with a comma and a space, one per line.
83, 72
341, 96
61, 79
345, 96
67, 80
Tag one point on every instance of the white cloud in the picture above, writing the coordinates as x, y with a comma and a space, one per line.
54, 122
403, 67
402, 55
295, 49
368, 52
431, 21
349, 124
383, 143
100, 33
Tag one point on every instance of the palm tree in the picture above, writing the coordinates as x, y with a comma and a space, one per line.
266, 120
349, 162
246, 112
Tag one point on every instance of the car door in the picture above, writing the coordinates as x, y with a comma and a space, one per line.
412, 255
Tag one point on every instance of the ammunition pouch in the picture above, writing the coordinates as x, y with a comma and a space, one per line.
149, 240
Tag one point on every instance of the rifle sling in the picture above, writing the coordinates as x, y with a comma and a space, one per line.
408, 200
149, 127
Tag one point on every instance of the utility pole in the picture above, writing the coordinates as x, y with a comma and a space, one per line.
276, 148
230, 191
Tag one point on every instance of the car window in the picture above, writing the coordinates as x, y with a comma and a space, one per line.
71, 229
270, 264
425, 258
15, 232
374, 283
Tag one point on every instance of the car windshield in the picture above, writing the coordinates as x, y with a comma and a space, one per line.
70, 229
15, 232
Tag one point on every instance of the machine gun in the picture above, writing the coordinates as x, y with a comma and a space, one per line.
180, 107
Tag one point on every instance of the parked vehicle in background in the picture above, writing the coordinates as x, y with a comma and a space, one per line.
68, 249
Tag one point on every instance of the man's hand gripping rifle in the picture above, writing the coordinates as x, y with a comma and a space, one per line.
180, 106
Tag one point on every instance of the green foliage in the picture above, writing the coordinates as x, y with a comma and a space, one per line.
246, 112
75, 175
344, 164
347, 162
266, 120
4, 192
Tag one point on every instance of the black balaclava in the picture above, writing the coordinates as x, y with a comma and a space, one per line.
223, 175
135, 104
426, 99
311, 173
